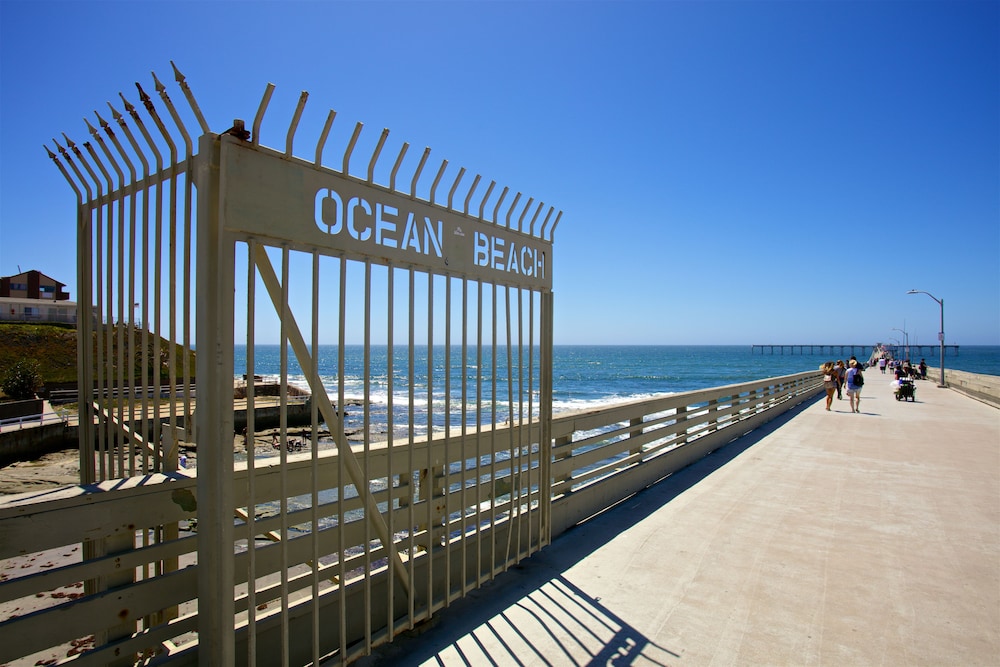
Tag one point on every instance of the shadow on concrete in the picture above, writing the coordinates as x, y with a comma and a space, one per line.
570, 619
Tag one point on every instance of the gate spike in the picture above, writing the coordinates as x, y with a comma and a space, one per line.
323, 136
520, 221
162, 90
129, 107
186, 89
482, 204
451, 193
376, 153
259, 118
541, 230
511, 209
145, 99
531, 227
416, 174
350, 148
104, 124
290, 136
395, 167
475, 184
496, 209
437, 179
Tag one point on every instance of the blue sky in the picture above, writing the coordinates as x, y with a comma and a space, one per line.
729, 172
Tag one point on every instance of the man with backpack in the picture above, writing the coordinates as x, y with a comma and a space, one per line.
855, 380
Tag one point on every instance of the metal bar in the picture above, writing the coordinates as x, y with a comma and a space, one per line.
157, 234
531, 227
366, 421
290, 136
314, 478
531, 412
318, 160
350, 148
479, 432
552, 232
447, 441
83, 320
437, 179
517, 198
144, 342
410, 435
454, 186
170, 456
472, 189
510, 432
360, 482
482, 204
376, 153
251, 442
131, 280
216, 280
89, 456
97, 279
427, 485
493, 428
390, 428
261, 108
116, 343
416, 174
179, 78
396, 165
283, 455
496, 209
520, 221
463, 535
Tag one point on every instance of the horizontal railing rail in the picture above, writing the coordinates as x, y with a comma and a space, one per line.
600, 456
32, 421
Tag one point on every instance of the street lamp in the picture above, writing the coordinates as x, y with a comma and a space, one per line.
906, 337
940, 302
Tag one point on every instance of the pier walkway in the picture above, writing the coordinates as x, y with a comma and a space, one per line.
821, 538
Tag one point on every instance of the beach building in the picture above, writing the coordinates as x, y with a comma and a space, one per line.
32, 296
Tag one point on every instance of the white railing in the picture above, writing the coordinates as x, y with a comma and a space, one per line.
127, 602
32, 421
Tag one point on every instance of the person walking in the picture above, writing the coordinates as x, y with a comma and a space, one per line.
855, 380
829, 382
881, 365
841, 371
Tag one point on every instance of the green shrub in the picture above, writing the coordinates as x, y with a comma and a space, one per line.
21, 380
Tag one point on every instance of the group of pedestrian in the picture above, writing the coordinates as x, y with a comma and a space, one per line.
838, 376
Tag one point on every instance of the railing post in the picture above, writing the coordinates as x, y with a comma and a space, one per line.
635, 433
215, 276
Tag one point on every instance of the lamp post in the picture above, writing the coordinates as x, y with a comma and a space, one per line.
940, 302
906, 337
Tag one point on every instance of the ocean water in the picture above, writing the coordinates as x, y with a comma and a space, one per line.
584, 376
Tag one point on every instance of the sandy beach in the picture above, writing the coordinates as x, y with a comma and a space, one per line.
51, 470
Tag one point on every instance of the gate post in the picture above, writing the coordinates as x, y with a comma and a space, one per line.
214, 416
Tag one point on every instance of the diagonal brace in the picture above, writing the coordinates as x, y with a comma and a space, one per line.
330, 415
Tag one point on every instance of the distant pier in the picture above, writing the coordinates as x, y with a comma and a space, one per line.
859, 351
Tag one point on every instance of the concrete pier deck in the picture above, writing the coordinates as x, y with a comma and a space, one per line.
823, 538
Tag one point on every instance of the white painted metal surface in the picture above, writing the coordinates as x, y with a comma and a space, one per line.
412, 519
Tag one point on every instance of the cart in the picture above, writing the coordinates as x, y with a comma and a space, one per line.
906, 390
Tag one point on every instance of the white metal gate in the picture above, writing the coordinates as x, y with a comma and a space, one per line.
328, 540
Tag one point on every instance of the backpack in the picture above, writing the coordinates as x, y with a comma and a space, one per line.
859, 379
